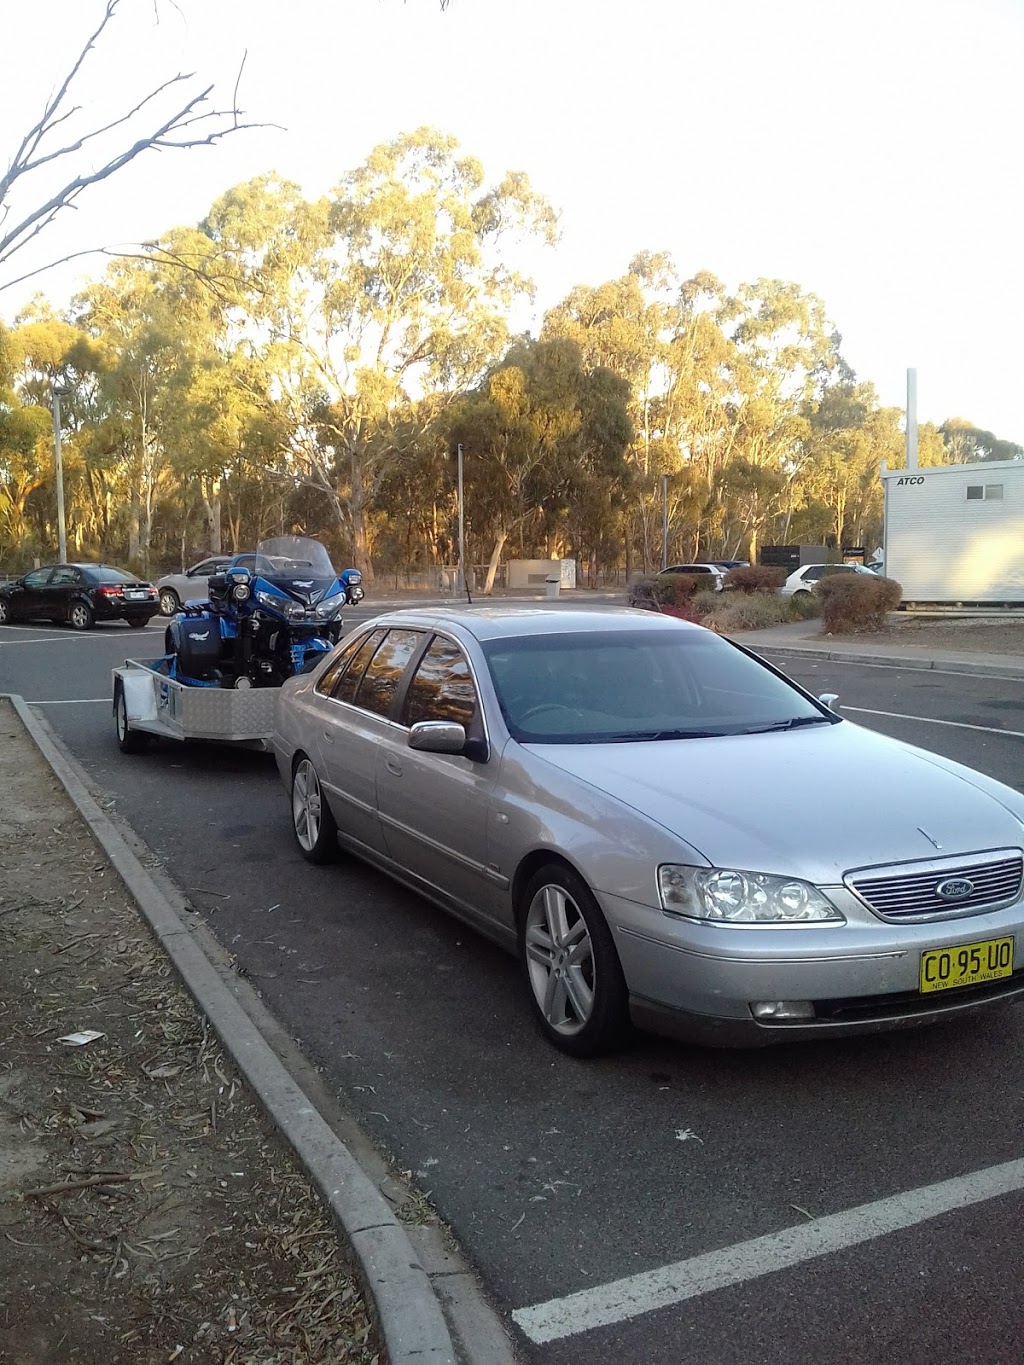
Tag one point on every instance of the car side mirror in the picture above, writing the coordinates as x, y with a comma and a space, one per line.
437, 737
830, 699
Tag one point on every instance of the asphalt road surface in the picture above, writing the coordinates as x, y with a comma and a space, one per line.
641, 1197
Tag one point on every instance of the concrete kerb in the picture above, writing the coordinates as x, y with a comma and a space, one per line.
938, 663
407, 1312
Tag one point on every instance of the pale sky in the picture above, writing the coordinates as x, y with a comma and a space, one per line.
868, 149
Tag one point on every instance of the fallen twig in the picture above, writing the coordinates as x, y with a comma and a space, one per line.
67, 1186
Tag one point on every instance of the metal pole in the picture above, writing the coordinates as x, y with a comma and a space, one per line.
62, 535
911, 419
462, 531
664, 521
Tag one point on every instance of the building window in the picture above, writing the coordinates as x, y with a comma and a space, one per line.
975, 492
993, 490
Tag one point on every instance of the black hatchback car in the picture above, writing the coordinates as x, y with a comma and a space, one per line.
80, 594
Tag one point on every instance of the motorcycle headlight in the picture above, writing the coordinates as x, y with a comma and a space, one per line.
241, 592
329, 606
725, 896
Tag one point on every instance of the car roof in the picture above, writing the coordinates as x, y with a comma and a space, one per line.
492, 623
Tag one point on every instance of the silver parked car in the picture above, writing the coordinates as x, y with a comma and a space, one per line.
177, 588
659, 824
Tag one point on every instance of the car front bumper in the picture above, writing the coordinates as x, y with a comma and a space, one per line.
698, 981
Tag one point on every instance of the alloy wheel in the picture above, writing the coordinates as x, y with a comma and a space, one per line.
307, 805
560, 959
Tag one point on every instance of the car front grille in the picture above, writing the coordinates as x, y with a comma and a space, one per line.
910, 894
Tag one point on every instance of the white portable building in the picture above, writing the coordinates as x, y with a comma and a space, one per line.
954, 534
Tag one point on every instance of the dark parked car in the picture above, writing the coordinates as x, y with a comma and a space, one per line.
80, 594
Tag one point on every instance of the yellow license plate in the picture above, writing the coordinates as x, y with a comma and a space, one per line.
972, 964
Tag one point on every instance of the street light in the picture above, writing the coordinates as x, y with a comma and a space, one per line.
664, 521
62, 534
462, 529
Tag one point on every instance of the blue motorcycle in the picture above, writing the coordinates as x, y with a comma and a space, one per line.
260, 626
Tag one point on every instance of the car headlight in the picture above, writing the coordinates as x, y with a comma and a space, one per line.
726, 896
327, 608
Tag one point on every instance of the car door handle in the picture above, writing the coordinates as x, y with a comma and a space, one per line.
393, 766
328, 735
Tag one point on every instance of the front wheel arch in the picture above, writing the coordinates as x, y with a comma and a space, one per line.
531, 863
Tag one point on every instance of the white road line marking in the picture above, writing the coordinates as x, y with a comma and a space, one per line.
899, 668
75, 701
653, 1289
932, 720
61, 639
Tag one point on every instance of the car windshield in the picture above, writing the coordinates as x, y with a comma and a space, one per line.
293, 554
597, 687
101, 574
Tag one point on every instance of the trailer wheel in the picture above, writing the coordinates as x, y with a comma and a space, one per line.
129, 741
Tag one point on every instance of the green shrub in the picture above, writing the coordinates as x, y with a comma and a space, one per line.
853, 602
706, 600
748, 611
804, 606
755, 578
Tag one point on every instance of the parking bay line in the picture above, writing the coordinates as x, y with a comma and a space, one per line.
73, 701
621, 1300
933, 720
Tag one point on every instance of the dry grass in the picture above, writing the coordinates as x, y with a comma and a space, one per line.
147, 1211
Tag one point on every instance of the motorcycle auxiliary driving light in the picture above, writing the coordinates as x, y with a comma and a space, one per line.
241, 592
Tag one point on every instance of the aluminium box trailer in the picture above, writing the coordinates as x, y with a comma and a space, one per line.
954, 534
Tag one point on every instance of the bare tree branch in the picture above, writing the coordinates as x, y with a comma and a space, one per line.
189, 125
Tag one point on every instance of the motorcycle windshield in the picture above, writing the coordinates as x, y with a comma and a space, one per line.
293, 557
298, 565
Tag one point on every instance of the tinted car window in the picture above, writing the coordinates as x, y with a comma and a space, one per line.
380, 681
38, 578
332, 673
64, 575
441, 688
603, 686
345, 687
101, 574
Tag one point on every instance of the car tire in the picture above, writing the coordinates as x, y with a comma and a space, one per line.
81, 616
801, 592
312, 821
137, 622
5, 612
129, 741
170, 602
572, 970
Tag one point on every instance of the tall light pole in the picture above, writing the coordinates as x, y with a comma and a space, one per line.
462, 530
664, 521
62, 534
911, 419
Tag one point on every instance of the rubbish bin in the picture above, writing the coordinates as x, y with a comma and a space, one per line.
554, 586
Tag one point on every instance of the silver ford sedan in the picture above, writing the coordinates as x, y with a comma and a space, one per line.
659, 824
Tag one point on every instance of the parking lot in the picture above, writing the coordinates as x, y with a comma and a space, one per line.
668, 1204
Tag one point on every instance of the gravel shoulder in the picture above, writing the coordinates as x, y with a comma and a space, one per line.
953, 633
147, 1211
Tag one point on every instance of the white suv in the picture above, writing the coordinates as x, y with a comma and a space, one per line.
715, 575
803, 580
